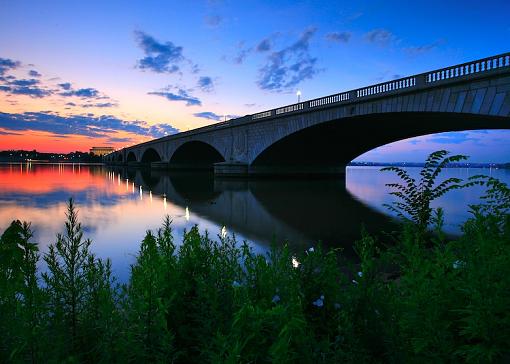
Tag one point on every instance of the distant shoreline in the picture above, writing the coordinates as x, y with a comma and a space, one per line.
354, 164
49, 162
411, 164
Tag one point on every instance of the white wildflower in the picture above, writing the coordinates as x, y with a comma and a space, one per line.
319, 302
458, 264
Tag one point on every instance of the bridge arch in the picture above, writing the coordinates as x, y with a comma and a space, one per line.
131, 157
337, 142
120, 158
150, 155
196, 153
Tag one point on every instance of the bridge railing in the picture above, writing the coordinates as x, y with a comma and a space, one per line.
290, 108
481, 65
344, 96
465, 69
386, 87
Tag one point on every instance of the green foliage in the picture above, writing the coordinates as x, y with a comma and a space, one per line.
496, 200
148, 336
21, 299
415, 197
422, 300
81, 297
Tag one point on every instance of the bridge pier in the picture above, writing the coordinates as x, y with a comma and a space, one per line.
159, 165
230, 169
189, 166
135, 164
227, 169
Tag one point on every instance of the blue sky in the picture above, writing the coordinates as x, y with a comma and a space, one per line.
179, 65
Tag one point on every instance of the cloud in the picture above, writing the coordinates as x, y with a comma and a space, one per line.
181, 95
213, 21
452, 138
24, 82
208, 115
32, 91
14, 86
100, 104
8, 133
82, 92
206, 84
381, 37
241, 56
33, 87
120, 140
87, 125
66, 85
339, 37
87, 94
7, 64
264, 45
159, 57
160, 130
34, 73
286, 68
415, 51
242, 53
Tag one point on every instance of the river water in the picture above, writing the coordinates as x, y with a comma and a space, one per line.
116, 206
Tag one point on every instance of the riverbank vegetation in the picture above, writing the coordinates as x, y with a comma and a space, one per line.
413, 297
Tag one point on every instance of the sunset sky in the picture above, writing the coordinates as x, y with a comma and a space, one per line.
79, 74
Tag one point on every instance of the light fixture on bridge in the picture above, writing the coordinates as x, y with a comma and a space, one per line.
298, 94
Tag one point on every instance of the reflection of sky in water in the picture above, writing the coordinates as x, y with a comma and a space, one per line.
114, 213
368, 185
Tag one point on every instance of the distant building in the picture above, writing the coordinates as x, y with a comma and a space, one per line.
100, 151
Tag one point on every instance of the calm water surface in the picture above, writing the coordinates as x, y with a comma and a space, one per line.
116, 206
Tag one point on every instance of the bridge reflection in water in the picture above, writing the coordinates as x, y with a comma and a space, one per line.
302, 212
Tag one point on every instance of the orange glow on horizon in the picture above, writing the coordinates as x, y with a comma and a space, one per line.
54, 143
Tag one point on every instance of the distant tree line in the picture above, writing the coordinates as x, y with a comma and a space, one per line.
34, 155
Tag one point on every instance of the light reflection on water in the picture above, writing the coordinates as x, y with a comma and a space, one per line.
116, 206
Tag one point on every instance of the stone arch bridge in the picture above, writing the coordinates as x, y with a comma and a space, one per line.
321, 136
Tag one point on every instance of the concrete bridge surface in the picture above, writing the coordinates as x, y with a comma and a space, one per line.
320, 136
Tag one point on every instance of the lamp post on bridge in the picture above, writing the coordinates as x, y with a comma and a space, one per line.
298, 94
